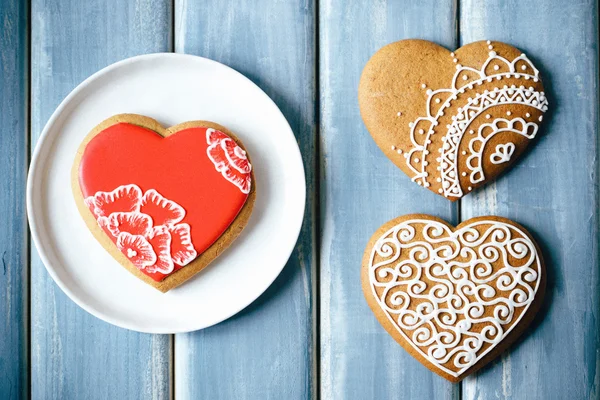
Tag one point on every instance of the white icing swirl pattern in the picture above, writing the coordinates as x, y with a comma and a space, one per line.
454, 295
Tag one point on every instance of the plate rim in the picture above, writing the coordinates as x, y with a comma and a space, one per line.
44, 136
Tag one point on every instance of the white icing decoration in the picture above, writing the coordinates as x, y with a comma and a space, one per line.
465, 114
227, 165
437, 292
486, 132
153, 199
503, 153
148, 244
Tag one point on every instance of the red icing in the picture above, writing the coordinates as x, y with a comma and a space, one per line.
179, 185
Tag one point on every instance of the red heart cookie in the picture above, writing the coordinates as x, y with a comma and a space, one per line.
451, 120
163, 202
453, 297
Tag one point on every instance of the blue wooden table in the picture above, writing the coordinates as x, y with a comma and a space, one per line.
311, 335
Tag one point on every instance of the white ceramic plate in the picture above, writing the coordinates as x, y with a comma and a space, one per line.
171, 88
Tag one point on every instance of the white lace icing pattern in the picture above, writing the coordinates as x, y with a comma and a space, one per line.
440, 101
454, 295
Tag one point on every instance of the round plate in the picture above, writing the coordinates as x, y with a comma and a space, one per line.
171, 88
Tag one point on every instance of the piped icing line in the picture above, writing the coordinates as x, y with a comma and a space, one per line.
151, 236
463, 286
488, 131
484, 101
459, 86
503, 153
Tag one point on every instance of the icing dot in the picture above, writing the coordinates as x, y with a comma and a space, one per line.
426, 184
455, 60
131, 253
429, 91
416, 160
420, 183
464, 174
528, 115
465, 77
399, 151
440, 190
458, 66
421, 131
425, 163
489, 42
399, 114
488, 116
423, 85
492, 53
410, 124
437, 100
535, 79
508, 113
471, 131
541, 118
446, 184
405, 155
490, 47
523, 67
451, 54
425, 152
469, 188
438, 179
393, 147
496, 67
464, 153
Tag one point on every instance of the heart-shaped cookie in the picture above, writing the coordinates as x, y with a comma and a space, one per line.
440, 116
163, 202
454, 298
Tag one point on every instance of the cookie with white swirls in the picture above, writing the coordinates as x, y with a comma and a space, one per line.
452, 121
453, 297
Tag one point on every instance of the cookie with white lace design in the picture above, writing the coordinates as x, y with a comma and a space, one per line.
452, 121
453, 297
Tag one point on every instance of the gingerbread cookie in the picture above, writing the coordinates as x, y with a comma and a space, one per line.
163, 202
451, 120
453, 297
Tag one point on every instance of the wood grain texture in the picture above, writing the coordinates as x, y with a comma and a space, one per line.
73, 354
553, 192
13, 222
360, 190
266, 351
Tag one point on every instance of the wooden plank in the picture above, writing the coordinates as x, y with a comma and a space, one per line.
266, 351
553, 191
14, 66
74, 355
361, 189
